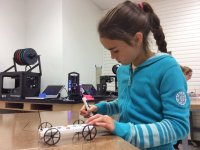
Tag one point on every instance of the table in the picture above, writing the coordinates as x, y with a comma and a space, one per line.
195, 103
194, 120
35, 105
13, 126
19, 131
58, 105
20, 104
194, 106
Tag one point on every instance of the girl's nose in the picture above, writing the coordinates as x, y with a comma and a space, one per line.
112, 55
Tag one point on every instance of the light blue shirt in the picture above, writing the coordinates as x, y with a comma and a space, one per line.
152, 104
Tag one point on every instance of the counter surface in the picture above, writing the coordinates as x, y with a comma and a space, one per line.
19, 131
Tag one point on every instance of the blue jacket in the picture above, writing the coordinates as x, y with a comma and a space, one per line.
152, 104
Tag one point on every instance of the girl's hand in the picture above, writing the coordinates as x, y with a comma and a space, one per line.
103, 121
86, 113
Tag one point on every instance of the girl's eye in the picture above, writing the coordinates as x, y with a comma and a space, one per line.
115, 51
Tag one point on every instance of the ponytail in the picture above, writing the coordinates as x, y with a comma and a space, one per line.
155, 27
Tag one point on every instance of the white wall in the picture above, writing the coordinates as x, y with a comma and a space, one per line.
44, 34
12, 30
81, 46
63, 32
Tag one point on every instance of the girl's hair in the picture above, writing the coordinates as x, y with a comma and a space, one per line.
128, 18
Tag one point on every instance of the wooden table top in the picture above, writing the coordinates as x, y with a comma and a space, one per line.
195, 103
20, 131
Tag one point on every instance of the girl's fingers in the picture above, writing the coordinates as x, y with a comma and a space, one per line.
102, 124
97, 118
86, 113
93, 117
103, 121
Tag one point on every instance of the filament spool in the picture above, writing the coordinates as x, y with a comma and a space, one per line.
27, 56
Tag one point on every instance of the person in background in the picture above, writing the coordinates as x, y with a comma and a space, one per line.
188, 74
152, 104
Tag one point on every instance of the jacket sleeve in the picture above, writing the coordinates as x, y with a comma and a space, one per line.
108, 108
175, 123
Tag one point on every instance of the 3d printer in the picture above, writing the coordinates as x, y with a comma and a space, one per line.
21, 83
102, 87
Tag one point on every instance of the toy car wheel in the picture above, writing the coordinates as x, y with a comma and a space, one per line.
79, 122
89, 132
44, 125
77, 136
52, 136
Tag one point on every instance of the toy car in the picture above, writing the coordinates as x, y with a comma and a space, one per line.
51, 135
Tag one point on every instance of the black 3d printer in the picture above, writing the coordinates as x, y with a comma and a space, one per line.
25, 83
102, 87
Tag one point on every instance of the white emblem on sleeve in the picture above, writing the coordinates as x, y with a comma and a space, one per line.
181, 98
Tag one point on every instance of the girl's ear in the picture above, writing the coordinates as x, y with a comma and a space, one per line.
138, 38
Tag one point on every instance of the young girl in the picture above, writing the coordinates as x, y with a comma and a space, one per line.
152, 104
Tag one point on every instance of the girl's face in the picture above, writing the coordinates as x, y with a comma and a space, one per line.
120, 50
188, 75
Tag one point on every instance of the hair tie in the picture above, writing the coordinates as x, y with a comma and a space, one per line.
141, 5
